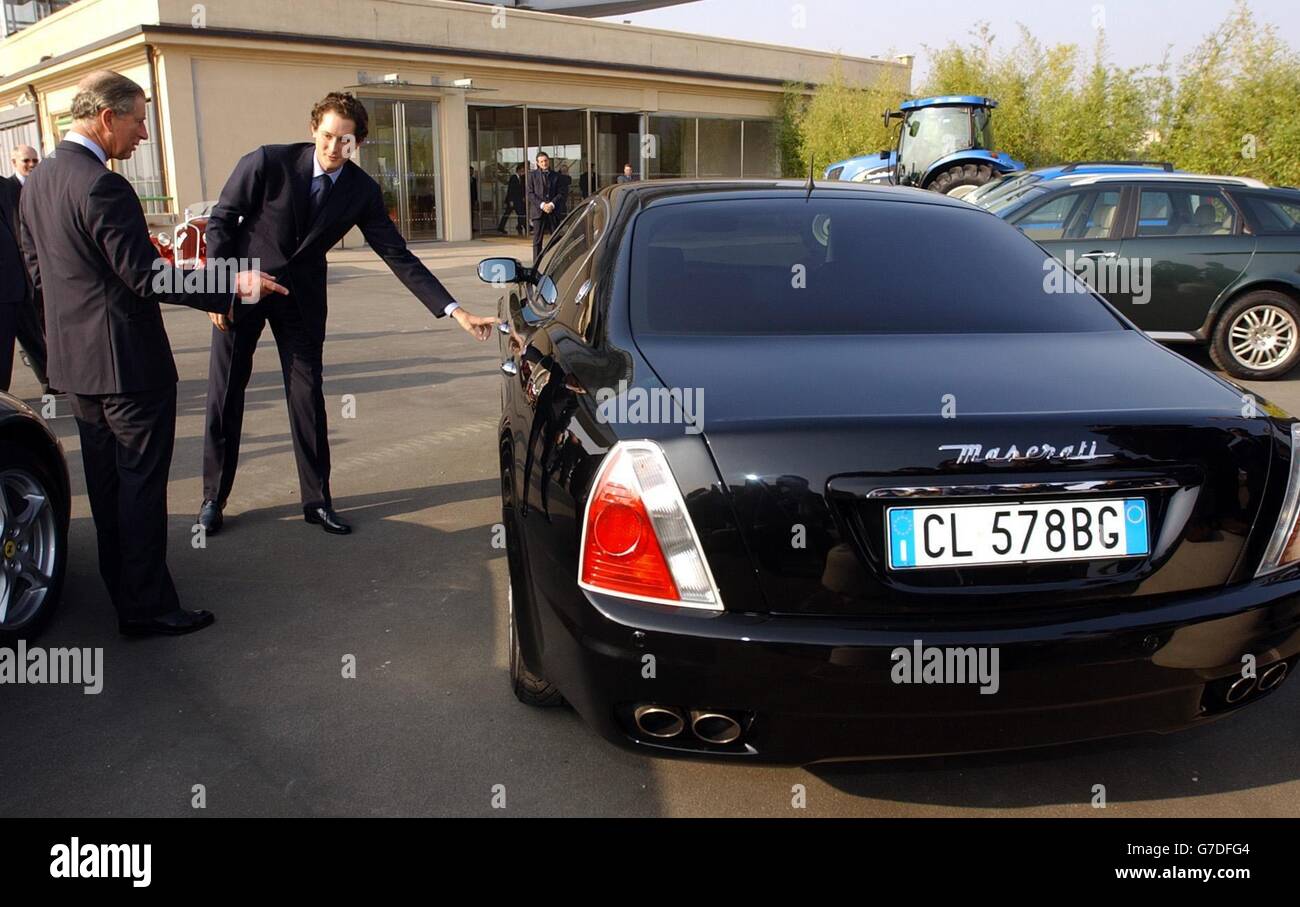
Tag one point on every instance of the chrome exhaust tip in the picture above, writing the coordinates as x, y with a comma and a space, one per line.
660, 721
1272, 676
715, 727
1240, 690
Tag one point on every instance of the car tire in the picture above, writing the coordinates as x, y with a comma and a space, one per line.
529, 688
961, 175
42, 543
1268, 313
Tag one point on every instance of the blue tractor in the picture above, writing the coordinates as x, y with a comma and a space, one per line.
945, 144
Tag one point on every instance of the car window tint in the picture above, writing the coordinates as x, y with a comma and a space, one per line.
571, 253
1184, 212
1048, 220
1097, 218
559, 237
843, 265
1274, 216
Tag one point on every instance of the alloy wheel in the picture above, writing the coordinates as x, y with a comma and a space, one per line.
1263, 337
29, 545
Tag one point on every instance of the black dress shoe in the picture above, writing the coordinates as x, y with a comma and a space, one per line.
327, 519
173, 623
210, 517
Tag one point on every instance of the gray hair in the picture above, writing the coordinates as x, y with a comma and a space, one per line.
105, 90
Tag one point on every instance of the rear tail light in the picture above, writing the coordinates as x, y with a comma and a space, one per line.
637, 538
1284, 547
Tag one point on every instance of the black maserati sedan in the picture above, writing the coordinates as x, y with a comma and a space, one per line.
798, 472
34, 510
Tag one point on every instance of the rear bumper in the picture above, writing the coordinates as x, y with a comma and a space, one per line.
809, 689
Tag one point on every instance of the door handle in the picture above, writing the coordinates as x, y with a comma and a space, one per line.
509, 368
1097, 255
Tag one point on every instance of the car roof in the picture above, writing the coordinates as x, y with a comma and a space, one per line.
648, 192
1076, 178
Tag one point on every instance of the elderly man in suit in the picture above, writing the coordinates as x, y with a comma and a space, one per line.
29, 321
24, 160
87, 246
287, 205
14, 286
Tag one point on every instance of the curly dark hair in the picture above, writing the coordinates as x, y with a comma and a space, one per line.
347, 106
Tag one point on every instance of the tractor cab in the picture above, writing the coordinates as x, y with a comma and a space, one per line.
945, 144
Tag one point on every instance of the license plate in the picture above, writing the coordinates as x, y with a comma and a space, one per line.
1015, 533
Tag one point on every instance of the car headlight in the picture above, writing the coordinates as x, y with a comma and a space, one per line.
1284, 547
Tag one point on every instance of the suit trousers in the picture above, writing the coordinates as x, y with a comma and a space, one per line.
126, 448
9, 314
231, 365
31, 334
541, 226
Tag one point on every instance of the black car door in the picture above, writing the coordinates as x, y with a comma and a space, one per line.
1188, 245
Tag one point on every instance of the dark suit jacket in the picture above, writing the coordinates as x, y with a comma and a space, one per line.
562, 184
14, 283
87, 247
515, 190
542, 187
270, 189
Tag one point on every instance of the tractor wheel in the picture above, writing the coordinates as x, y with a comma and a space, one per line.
961, 175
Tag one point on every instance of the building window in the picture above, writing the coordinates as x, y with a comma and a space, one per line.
11, 136
21, 13
144, 170
720, 147
673, 148
760, 159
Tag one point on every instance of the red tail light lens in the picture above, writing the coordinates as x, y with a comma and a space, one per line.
637, 538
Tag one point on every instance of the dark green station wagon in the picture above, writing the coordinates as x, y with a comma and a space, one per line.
1188, 258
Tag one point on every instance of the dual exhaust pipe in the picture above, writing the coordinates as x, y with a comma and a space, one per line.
664, 722
1273, 675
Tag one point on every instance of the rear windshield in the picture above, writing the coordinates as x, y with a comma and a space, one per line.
846, 266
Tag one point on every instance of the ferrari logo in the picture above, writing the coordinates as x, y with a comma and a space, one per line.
10, 548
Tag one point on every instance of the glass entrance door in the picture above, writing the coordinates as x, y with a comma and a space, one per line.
617, 141
562, 134
401, 153
497, 149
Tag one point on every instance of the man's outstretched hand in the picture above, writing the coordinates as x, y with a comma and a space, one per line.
250, 286
478, 326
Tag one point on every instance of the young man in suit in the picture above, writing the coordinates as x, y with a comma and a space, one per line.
543, 199
85, 243
288, 205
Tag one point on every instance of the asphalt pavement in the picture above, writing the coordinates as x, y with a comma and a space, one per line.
257, 709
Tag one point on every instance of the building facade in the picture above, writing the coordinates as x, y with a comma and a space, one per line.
458, 94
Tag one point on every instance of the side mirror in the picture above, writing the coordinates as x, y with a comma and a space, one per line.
501, 271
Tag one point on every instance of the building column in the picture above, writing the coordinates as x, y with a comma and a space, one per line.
453, 136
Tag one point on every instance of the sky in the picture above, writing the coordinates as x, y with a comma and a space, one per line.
1137, 31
